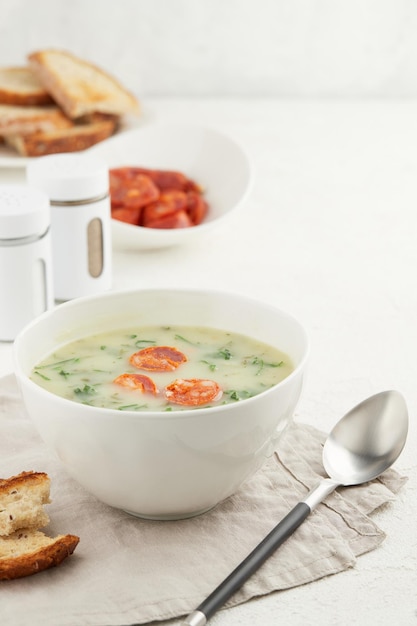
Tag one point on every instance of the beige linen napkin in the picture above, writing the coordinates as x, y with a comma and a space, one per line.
131, 571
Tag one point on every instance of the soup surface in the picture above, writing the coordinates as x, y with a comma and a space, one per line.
161, 368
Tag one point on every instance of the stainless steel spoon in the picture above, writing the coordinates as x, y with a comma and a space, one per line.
362, 445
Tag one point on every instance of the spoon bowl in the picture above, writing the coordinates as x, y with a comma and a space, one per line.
367, 440
362, 445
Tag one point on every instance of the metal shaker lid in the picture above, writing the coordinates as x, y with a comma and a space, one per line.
69, 177
24, 211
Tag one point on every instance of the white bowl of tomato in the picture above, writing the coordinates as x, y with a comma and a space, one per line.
171, 183
162, 402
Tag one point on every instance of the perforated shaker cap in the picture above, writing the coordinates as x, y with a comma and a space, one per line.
24, 211
66, 177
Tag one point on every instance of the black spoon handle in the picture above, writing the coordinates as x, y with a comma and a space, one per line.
251, 563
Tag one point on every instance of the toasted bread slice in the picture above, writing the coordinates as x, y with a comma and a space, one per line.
24, 549
21, 86
29, 551
80, 87
21, 501
20, 119
92, 118
78, 137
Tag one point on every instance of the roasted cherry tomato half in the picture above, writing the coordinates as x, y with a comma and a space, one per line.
129, 216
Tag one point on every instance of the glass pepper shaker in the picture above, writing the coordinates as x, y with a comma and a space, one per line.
77, 185
26, 284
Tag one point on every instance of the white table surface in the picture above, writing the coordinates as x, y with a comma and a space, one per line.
328, 233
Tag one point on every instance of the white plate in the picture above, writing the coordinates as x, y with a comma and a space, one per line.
210, 157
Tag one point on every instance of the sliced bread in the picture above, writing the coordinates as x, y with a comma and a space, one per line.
78, 137
24, 549
29, 551
80, 87
21, 501
21, 119
21, 86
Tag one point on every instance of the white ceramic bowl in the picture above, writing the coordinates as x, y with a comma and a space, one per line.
214, 160
157, 464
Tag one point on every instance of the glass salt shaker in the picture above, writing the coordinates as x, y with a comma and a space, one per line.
26, 283
77, 185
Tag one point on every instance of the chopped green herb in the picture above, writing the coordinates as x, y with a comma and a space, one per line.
143, 342
256, 360
238, 395
103, 347
59, 363
132, 407
223, 353
87, 390
41, 375
212, 366
266, 364
181, 338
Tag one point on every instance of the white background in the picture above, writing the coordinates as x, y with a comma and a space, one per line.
228, 47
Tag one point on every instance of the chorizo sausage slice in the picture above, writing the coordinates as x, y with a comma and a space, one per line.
193, 391
168, 202
180, 219
132, 192
197, 207
129, 216
168, 179
158, 359
137, 382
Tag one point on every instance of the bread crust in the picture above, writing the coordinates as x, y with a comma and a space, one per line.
79, 137
24, 478
80, 87
39, 560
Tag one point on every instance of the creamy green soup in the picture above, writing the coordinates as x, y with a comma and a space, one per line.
162, 368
